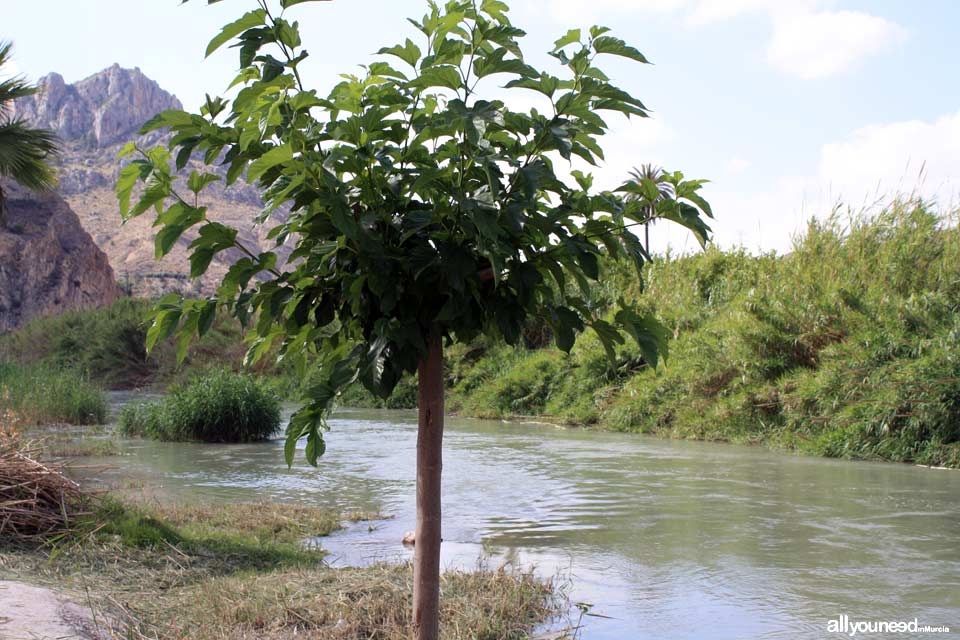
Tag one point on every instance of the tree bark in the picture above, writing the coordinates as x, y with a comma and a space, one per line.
426, 557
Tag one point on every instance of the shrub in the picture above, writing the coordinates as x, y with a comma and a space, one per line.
218, 406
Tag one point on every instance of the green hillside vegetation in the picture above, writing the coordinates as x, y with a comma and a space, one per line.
849, 346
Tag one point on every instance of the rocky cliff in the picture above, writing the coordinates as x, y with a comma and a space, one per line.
103, 110
48, 263
95, 117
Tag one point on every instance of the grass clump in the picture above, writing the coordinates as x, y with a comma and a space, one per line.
218, 406
42, 394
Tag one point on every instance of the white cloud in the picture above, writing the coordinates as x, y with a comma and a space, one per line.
816, 45
807, 41
878, 161
868, 167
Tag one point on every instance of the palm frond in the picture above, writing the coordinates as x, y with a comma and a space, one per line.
25, 154
15, 87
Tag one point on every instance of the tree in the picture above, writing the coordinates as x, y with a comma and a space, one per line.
658, 179
25, 152
418, 213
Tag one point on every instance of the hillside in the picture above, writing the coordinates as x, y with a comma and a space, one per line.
95, 118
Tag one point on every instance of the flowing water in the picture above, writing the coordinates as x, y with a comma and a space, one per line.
664, 539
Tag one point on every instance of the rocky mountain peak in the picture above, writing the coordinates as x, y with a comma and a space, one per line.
104, 109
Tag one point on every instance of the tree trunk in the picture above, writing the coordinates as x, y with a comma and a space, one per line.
426, 557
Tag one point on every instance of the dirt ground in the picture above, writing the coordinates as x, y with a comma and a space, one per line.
35, 613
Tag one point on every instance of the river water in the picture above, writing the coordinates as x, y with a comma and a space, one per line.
664, 539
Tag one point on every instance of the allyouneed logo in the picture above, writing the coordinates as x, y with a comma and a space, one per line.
844, 624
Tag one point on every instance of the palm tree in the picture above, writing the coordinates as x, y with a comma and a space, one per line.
665, 190
25, 152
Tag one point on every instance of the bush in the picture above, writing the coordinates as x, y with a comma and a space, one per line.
41, 394
219, 406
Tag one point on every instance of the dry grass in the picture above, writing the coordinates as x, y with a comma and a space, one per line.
37, 501
372, 602
239, 571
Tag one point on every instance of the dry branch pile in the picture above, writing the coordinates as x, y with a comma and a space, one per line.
36, 501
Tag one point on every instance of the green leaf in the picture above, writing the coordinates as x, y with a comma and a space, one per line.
164, 324
409, 52
650, 335
572, 36
617, 47
198, 181
609, 337
316, 446
206, 317
168, 118
565, 326
166, 238
249, 20
128, 178
442, 76
494, 62
273, 157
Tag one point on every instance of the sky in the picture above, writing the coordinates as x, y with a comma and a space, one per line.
789, 108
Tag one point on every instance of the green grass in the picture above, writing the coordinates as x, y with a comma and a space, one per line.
42, 394
215, 406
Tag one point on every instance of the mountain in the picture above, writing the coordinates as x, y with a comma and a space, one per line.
48, 263
95, 118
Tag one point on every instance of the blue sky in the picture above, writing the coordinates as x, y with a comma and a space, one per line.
786, 106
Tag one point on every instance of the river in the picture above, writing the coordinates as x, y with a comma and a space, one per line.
664, 539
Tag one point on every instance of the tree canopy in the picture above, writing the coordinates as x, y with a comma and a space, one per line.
417, 199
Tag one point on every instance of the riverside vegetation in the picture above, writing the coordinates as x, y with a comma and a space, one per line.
846, 347
218, 406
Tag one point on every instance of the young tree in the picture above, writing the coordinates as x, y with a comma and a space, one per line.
25, 152
418, 211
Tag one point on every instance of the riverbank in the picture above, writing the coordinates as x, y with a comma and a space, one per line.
238, 571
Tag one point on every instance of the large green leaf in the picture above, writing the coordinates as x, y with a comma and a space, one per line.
249, 20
